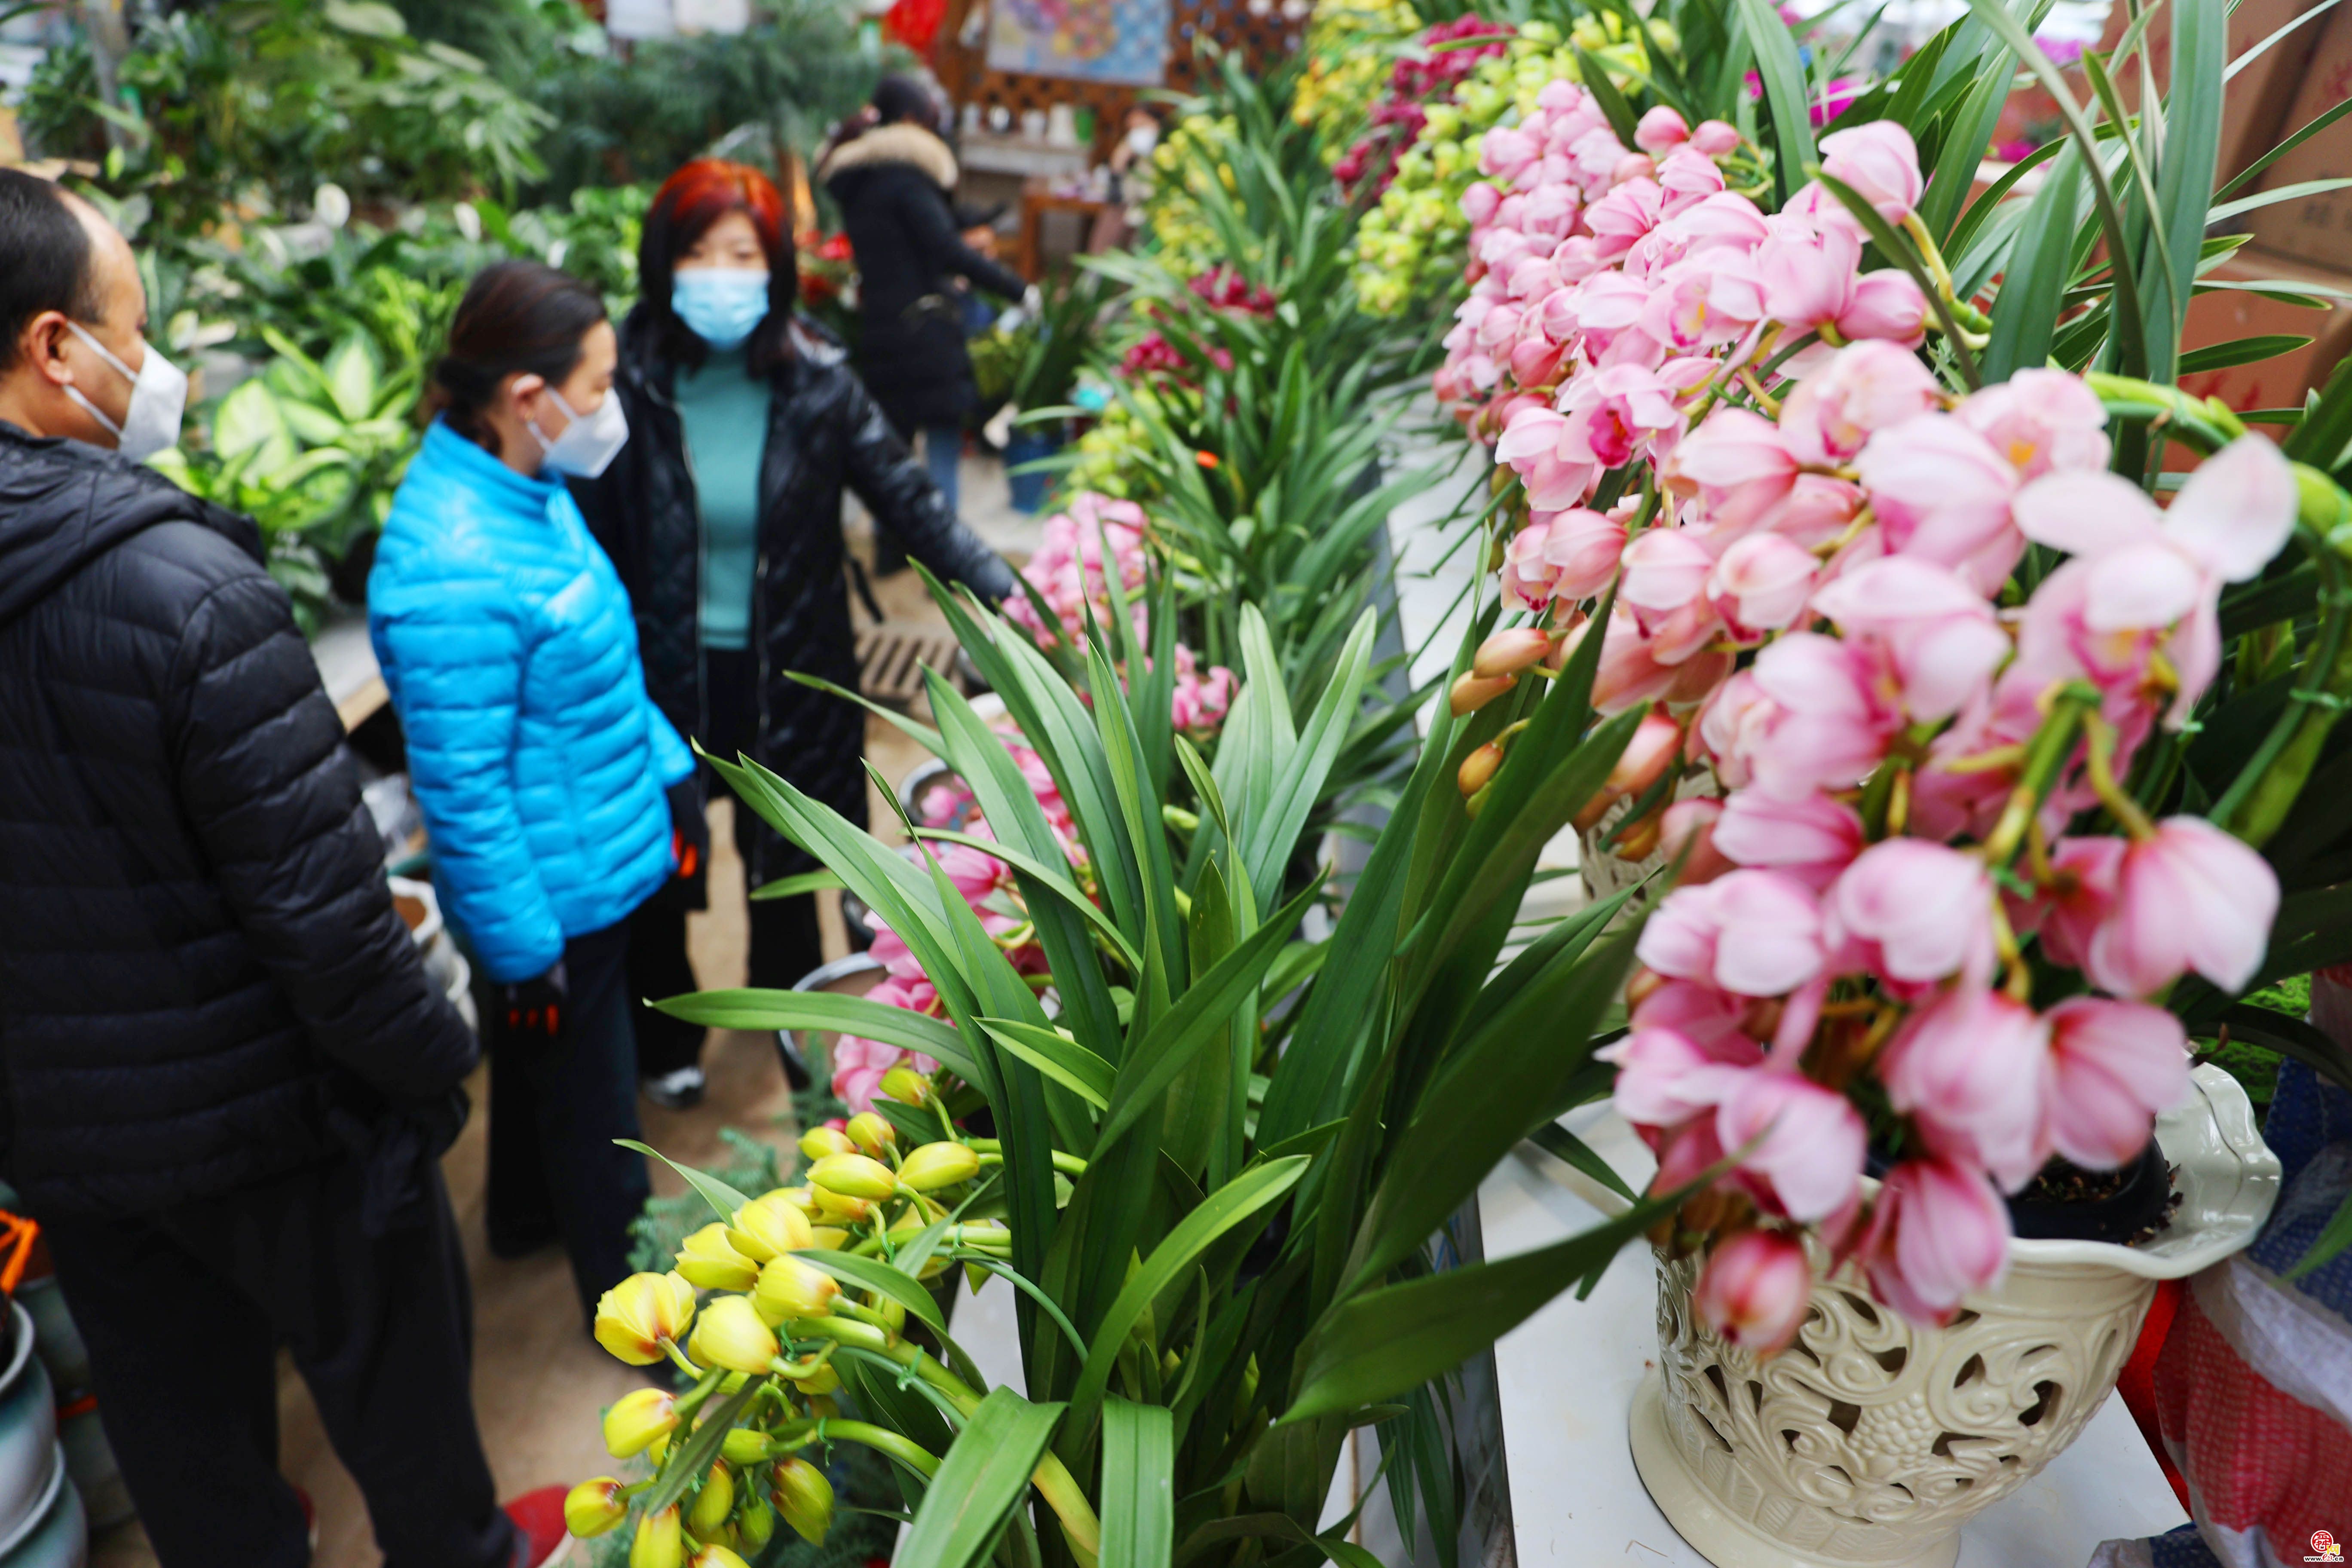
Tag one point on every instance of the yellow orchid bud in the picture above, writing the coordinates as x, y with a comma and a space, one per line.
744, 1445
1479, 767
715, 1556
937, 1165
730, 1334
637, 1420
1471, 693
712, 1506
660, 1543
819, 1382
872, 1133
757, 1525
830, 1237
851, 1176
789, 1288
709, 1260
592, 1507
1509, 651
800, 1197
766, 1227
804, 1498
635, 1317
905, 1086
839, 1207
818, 1142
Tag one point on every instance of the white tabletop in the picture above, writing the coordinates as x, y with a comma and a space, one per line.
1568, 1376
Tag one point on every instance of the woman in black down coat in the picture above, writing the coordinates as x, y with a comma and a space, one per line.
726, 490
891, 175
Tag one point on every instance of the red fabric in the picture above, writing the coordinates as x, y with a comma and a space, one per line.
915, 23
2138, 1383
2255, 1458
539, 1516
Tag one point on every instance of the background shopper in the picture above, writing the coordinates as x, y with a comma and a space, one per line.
227, 1074
893, 176
724, 516
539, 762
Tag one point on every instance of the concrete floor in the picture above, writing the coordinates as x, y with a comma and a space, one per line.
539, 1383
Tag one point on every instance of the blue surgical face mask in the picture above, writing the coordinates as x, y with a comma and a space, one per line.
721, 305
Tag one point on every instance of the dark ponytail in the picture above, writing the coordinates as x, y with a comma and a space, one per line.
518, 318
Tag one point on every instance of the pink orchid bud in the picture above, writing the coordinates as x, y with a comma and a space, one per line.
1756, 1290
2114, 1066
1535, 362
1737, 466
2190, 897
1813, 838
1502, 152
1657, 741
1715, 138
1938, 1232
1942, 637
1756, 934
1886, 305
1762, 584
1628, 211
1880, 162
1585, 547
1479, 202
1831, 723
1665, 569
1510, 650
1914, 911
2041, 421
1687, 178
1664, 1078
1941, 492
1862, 388
1799, 1145
1661, 131
1819, 511
1807, 277
1973, 1071
1470, 693
1632, 166
1687, 834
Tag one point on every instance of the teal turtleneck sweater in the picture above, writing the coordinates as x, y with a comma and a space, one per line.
725, 413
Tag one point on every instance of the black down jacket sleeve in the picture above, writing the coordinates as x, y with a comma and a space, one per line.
273, 801
898, 491
930, 221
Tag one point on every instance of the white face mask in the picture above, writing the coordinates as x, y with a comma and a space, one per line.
159, 396
1141, 141
589, 444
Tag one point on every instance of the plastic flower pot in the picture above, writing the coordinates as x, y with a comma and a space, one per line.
1028, 446
32, 1465
1868, 1442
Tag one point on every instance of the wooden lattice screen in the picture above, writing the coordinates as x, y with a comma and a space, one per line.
968, 79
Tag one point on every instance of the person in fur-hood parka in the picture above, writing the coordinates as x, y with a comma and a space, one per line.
891, 175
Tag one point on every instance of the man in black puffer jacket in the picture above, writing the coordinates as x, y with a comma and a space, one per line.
225, 1075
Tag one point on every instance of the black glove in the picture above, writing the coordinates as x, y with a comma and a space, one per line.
689, 828
536, 1006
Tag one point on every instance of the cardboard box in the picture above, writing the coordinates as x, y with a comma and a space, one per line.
2254, 107
2227, 315
2317, 229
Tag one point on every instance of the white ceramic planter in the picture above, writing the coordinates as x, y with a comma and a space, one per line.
1868, 1442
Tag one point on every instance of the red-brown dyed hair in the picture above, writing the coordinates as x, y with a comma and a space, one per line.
689, 202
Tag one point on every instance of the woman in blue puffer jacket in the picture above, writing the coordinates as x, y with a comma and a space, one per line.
545, 773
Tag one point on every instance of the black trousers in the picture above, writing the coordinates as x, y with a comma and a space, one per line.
785, 940
183, 1312
555, 1108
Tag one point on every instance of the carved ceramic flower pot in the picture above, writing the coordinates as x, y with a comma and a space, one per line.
1870, 1440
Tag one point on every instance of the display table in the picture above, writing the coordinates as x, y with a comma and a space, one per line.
348, 669
1567, 1378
